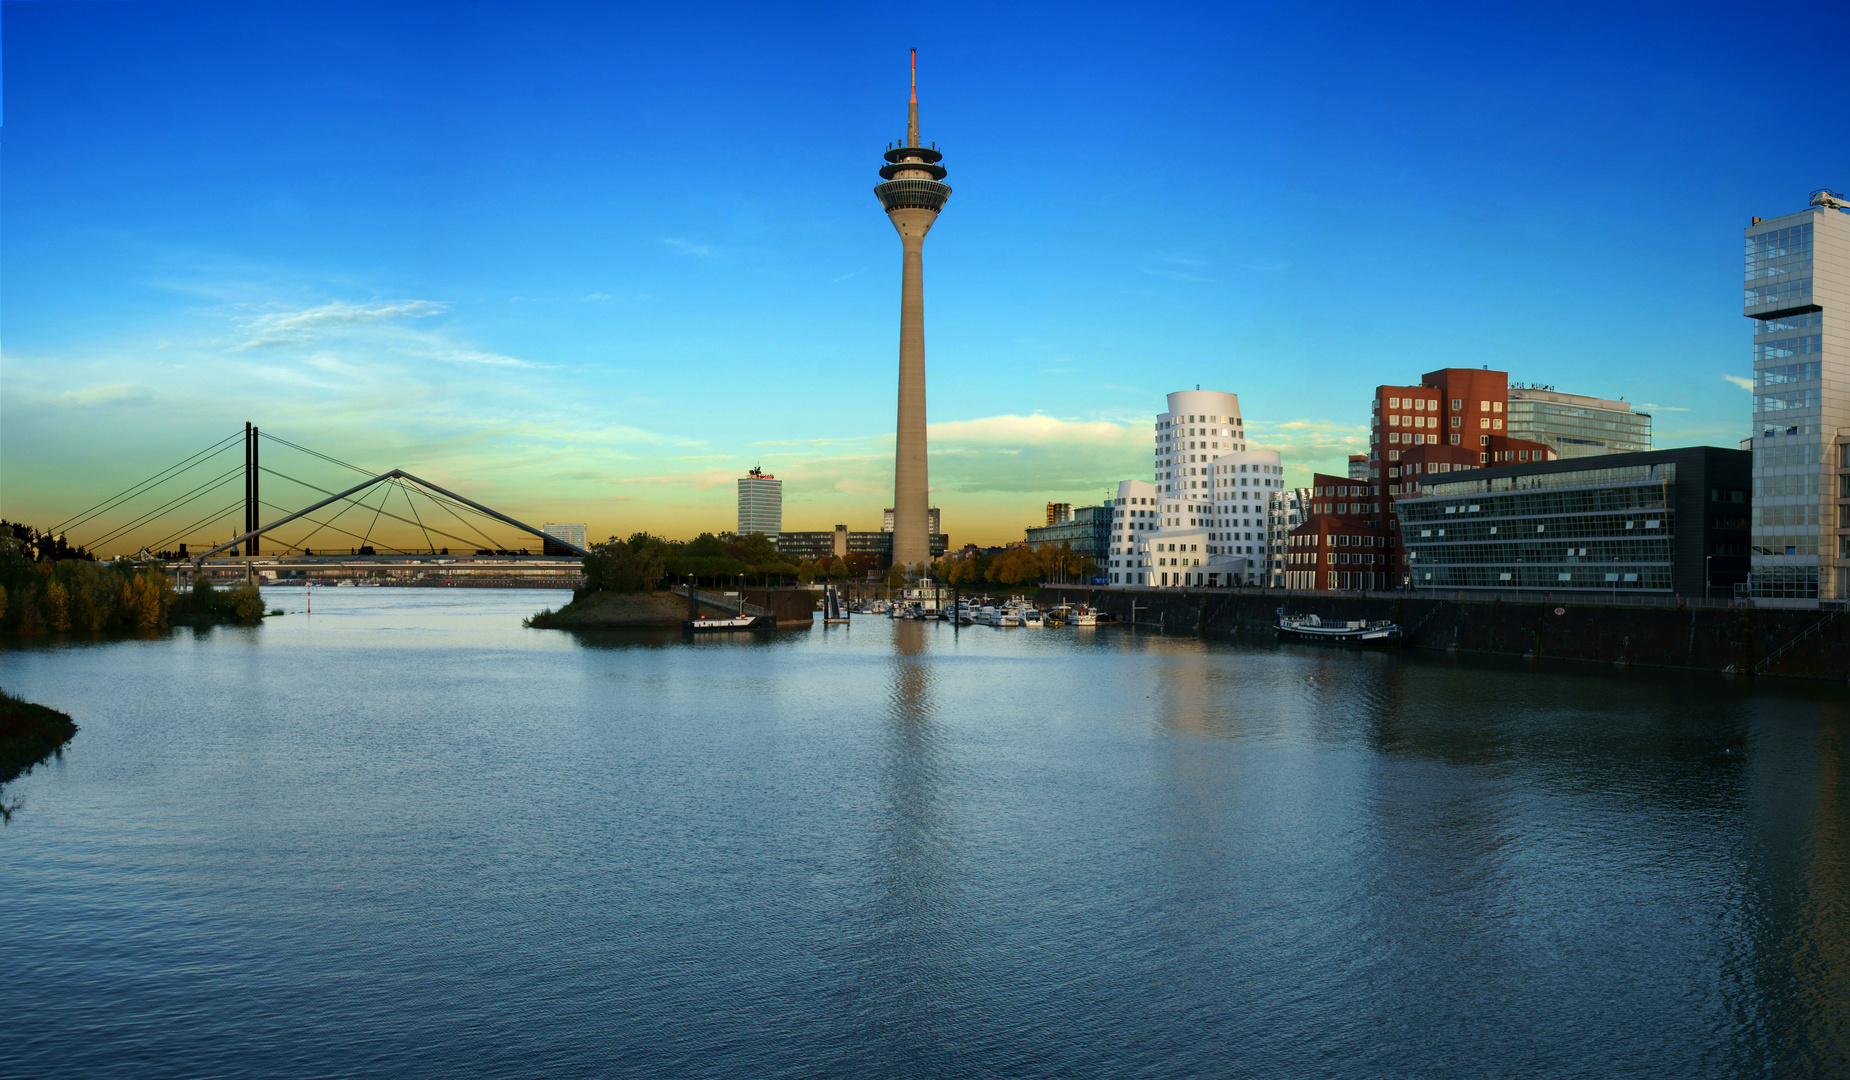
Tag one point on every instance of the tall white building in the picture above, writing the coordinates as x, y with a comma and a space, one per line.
761, 504
1202, 519
1797, 291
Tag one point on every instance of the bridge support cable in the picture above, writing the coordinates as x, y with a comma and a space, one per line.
328, 524
172, 504
428, 542
183, 465
395, 474
394, 517
194, 527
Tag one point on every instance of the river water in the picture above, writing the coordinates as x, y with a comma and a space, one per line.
404, 836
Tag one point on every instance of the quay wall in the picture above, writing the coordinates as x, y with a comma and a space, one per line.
1702, 638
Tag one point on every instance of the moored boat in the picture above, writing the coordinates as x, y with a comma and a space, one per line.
1380, 634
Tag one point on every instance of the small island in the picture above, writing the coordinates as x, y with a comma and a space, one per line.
29, 734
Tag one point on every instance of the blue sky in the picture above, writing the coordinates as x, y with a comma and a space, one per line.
590, 262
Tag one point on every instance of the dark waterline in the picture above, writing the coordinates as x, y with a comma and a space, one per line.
406, 837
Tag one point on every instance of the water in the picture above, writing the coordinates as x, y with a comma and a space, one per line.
404, 837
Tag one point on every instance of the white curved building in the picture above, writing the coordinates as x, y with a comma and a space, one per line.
1202, 519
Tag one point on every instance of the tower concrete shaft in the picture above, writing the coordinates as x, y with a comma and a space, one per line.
913, 192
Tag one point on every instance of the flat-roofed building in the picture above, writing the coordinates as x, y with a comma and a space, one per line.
932, 519
1576, 425
1665, 521
573, 534
1797, 292
1086, 528
839, 541
761, 504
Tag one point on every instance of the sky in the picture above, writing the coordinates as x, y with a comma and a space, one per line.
591, 262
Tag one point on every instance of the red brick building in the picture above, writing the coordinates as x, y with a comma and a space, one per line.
1454, 419
1340, 545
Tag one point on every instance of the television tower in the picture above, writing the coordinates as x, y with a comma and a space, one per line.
912, 191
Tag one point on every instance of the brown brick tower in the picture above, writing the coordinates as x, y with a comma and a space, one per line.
912, 191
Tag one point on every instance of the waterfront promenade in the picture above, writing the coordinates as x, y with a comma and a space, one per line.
1644, 631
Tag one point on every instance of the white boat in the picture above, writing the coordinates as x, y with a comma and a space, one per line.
1081, 615
1379, 635
1032, 617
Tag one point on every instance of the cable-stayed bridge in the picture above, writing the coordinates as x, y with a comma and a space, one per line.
209, 511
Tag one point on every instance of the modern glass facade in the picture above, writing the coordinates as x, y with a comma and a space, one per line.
1088, 530
1595, 529
1575, 425
1796, 289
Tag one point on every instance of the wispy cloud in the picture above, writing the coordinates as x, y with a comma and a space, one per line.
1174, 275
1745, 384
1648, 406
686, 247
296, 327
101, 395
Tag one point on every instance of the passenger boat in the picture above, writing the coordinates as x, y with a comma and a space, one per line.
1382, 634
1081, 615
707, 624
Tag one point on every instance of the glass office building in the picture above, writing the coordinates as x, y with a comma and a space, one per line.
1797, 292
1575, 425
1668, 521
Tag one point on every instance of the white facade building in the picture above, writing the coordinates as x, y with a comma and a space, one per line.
1203, 519
761, 505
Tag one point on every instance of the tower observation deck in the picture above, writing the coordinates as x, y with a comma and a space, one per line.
912, 191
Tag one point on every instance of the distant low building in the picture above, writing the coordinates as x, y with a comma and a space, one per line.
932, 521
1058, 512
839, 541
572, 534
1576, 425
1087, 529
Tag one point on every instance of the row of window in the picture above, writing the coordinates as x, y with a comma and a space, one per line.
1428, 404
1663, 472
1779, 348
1777, 251
1785, 516
1543, 577
1339, 540
1788, 373
1804, 320
1786, 484
1788, 399
1784, 294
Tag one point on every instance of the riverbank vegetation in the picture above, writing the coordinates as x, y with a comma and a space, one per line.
29, 734
1023, 565
81, 595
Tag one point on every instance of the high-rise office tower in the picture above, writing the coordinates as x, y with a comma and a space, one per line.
912, 191
1797, 291
761, 504
1576, 425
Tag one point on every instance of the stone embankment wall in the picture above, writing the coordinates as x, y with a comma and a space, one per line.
794, 608
1710, 639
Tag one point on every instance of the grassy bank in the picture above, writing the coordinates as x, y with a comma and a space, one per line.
29, 734
615, 611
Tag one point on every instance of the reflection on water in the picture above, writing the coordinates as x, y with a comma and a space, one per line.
406, 837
